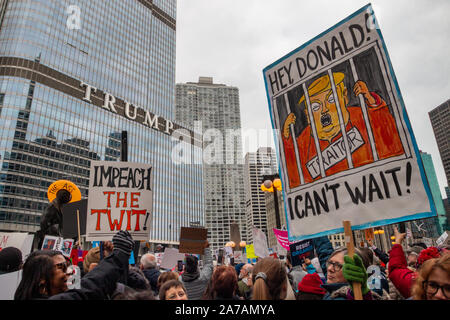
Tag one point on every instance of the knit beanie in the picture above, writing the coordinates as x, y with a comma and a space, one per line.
429, 253
10, 259
93, 256
311, 283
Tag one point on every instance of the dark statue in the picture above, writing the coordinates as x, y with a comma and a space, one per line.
52, 221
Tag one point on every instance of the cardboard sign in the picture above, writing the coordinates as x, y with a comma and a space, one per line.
192, 240
19, 240
170, 258
301, 250
70, 223
345, 145
443, 239
120, 198
260, 243
250, 251
239, 257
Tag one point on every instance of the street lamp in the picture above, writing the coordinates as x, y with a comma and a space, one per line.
273, 184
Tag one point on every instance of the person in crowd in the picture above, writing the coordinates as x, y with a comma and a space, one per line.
310, 288
384, 257
377, 280
245, 281
173, 290
401, 276
149, 267
269, 280
93, 257
296, 272
433, 281
339, 279
164, 277
224, 284
194, 280
411, 259
238, 268
44, 274
137, 279
10, 260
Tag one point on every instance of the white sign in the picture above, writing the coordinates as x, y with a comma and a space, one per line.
441, 240
8, 284
345, 145
120, 198
260, 243
65, 246
19, 240
170, 258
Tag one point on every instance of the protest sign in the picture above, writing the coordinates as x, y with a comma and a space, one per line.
281, 250
8, 284
443, 239
70, 221
282, 238
120, 198
65, 246
158, 256
170, 258
260, 243
250, 251
20, 240
300, 251
239, 257
369, 234
344, 142
193, 240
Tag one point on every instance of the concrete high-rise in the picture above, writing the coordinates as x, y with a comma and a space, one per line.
440, 121
257, 165
213, 110
73, 76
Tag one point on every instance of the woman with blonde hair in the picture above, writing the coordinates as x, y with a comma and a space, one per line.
433, 282
269, 280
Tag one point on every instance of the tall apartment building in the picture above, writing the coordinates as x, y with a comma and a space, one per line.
257, 164
213, 110
73, 76
440, 121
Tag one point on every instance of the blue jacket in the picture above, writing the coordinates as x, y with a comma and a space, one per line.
324, 249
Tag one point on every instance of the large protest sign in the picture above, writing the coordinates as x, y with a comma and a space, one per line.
74, 213
337, 94
120, 198
250, 251
260, 243
192, 240
20, 240
300, 251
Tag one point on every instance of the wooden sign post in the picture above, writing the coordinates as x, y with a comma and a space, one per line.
351, 251
79, 233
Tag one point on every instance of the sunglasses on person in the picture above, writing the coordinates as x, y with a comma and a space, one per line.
62, 266
432, 288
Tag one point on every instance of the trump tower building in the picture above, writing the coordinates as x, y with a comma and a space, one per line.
76, 74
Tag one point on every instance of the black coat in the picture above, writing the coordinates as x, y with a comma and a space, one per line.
152, 276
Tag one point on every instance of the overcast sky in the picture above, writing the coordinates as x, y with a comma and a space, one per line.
234, 40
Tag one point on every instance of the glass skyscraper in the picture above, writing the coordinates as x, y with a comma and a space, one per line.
74, 75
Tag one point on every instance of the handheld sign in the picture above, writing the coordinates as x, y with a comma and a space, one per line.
344, 141
192, 240
300, 251
351, 251
120, 198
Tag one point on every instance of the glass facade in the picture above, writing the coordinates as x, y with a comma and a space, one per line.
122, 47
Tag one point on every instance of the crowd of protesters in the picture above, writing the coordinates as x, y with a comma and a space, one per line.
418, 273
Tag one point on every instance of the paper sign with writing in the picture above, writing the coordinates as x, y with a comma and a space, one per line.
120, 198
250, 251
301, 250
170, 258
192, 240
260, 243
442, 239
345, 144
20, 240
65, 246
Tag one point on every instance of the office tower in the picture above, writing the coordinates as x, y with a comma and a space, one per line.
257, 165
440, 121
213, 109
72, 78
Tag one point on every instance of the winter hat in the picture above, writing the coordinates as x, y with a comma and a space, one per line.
93, 256
137, 280
311, 283
429, 253
10, 259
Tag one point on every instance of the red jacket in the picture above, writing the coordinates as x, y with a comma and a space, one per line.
399, 274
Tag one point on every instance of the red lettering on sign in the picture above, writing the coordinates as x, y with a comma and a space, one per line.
133, 199
109, 193
114, 225
99, 212
124, 200
129, 220
138, 213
